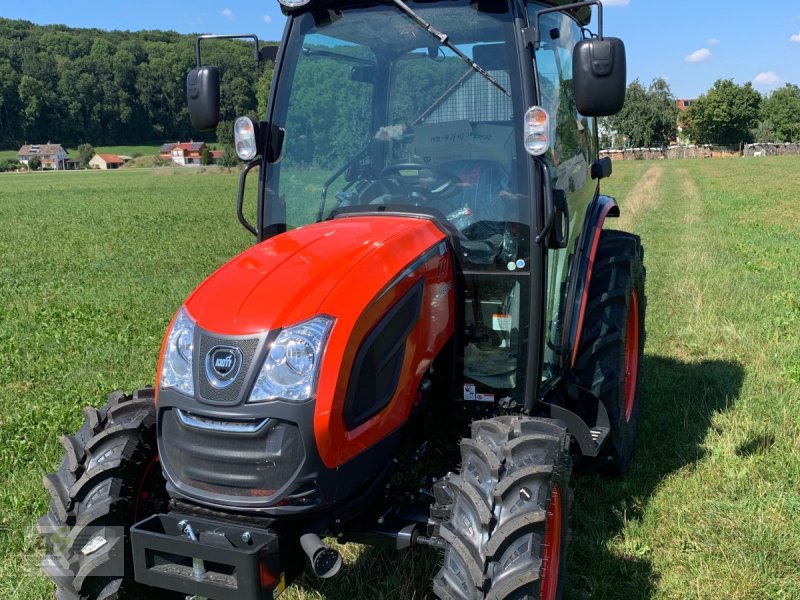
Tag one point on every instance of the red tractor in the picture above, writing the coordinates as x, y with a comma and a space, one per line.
432, 326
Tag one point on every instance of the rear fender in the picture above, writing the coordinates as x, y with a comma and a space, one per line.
581, 278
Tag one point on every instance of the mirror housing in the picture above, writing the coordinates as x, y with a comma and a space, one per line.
202, 97
599, 72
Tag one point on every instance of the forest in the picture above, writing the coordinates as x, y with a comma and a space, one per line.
72, 86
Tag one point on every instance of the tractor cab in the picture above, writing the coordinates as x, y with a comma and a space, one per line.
465, 113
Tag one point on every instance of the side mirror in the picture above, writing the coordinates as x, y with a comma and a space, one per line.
599, 72
202, 96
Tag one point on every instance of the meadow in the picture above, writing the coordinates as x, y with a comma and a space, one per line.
94, 265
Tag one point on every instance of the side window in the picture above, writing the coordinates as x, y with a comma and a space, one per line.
572, 151
554, 62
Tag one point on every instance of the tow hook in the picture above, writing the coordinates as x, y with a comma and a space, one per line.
198, 568
325, 561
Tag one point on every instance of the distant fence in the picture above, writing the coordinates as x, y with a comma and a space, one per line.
684, 152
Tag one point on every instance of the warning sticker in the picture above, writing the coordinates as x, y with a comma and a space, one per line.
484, 397
469, 392
501, 322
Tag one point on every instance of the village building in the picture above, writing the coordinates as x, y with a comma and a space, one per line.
183, 153
51, 156
106, 161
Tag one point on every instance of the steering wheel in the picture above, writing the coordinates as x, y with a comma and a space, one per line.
419, 181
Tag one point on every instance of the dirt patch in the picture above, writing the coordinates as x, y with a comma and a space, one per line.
691, 192
641, 196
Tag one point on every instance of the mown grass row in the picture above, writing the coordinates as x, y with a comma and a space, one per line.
94, 265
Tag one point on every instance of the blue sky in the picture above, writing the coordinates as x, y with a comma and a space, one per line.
691, 43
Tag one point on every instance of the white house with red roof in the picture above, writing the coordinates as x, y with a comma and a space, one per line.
183, 153
106, 161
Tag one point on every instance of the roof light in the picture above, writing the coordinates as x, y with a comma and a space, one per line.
537, 131
244, 135
294, 3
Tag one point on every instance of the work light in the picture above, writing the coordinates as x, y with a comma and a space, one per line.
245, 138
537, 131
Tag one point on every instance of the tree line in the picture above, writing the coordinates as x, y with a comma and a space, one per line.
728, 114
73, 86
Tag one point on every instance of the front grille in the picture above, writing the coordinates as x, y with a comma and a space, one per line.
224, 458
247, 346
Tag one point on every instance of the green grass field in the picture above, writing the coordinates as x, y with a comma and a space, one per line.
95, 264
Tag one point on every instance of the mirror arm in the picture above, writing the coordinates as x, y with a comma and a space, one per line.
533, 35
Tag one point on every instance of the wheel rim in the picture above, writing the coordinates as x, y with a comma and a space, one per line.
552, 547
631, 355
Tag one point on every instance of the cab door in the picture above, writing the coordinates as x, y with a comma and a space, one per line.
573, 148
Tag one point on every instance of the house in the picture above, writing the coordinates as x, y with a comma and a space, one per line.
165, 152
51, 156
183, 153
106, 161
683, 105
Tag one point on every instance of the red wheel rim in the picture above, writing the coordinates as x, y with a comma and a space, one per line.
552, 547
631, 355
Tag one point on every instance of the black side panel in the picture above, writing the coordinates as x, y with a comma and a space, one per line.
376, 370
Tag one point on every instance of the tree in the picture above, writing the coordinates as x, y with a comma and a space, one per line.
225, 133
85, 154
781, 113
34, 163
205, 156
228, 158
725, 115
649, 118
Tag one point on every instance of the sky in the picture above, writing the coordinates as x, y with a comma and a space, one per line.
690, 43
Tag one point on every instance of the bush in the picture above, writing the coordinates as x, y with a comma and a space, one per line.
9, 164
34, 163
228, 157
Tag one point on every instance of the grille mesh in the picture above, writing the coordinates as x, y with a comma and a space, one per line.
231, 464
231, 393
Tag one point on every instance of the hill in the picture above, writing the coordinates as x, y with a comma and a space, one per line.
72, 85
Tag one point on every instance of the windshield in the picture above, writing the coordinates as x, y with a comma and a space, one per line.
378, 112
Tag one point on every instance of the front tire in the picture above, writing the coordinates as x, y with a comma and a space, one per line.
505, 512
108, 480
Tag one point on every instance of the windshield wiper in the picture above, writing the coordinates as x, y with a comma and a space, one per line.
445, 41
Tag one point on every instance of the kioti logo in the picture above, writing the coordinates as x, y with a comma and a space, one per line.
222, 365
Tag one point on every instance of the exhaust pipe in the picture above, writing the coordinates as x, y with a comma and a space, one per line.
325, 561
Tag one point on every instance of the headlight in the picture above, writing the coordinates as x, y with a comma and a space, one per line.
176, 372
291, 368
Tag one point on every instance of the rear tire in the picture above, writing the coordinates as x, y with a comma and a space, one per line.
505, 512
108, 480
611, 348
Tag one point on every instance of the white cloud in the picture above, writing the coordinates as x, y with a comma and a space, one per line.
267, 19
796, 38
767, 79
697, 56
616, 2
713, 42
227, 13
701, 55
